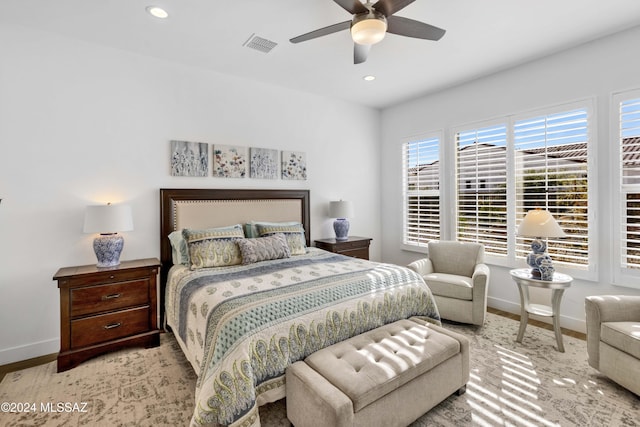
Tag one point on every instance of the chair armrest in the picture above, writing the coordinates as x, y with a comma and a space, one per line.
480, 279
480, 273
615, 308
607, 308
422, 266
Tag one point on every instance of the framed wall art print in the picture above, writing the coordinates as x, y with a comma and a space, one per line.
229, 161
264, 163
189, 158
294, 165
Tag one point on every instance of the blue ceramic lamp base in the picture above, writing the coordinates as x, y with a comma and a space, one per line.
539, 261
108, 248
341, 227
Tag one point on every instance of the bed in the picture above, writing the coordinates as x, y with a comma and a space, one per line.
240, 325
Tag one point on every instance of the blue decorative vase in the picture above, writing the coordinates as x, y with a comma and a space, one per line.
108, 248
341, 227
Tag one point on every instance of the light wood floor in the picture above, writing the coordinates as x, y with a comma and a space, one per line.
567, 332
11, 367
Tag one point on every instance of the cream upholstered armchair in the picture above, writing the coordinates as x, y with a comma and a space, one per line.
458, 278
613, 338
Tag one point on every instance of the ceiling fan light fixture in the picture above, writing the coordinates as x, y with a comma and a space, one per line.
368, 25
368, 30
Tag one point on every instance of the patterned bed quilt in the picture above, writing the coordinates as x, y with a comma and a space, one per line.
241, 326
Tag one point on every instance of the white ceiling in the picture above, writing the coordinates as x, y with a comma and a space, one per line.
483, 36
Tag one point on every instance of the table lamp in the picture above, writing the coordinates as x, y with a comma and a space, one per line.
108, 220
341, 210
539, 223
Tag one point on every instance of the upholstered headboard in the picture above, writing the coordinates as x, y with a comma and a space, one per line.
204, 208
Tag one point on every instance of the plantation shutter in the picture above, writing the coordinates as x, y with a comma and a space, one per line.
481, 176
630, 182
421, 160
551, 173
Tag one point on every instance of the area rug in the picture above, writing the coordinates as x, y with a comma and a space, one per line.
512, 384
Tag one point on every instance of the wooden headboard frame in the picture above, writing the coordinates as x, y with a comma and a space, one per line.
171, 197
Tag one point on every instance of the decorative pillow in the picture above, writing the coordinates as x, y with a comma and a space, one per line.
179, 250
251, 229
264, 248
213, 247
294, 233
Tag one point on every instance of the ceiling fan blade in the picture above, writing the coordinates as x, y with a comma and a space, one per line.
322, 32
411, 28
352, 6
360, 52
389, 7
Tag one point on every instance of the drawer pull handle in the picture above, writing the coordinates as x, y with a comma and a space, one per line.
113, 325
112, 296
112, 276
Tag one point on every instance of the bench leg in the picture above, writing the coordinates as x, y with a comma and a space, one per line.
461, 390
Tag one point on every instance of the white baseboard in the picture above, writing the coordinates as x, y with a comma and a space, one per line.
29, 351
504, 305
572, 323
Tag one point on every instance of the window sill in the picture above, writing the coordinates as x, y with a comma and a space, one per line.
413, 248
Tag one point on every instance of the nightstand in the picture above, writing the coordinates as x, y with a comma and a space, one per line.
106, 309
357, 247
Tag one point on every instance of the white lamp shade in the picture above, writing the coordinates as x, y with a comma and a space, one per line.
540, 223
368, 31
109, 218
340, 209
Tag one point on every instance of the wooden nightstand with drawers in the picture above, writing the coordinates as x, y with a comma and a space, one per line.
357, 247
106, 309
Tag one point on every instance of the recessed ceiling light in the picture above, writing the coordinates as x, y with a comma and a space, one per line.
158, 12
369, 78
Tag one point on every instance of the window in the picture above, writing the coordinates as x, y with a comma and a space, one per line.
498, 170
481, 176
629, 162
504, 168
551, 173
421, 190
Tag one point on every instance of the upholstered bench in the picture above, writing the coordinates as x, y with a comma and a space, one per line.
388, 376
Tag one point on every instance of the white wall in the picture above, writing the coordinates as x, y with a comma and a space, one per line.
83, 124
594, 70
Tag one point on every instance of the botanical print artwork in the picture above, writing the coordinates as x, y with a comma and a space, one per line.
264, 163
189, 158
229, 161
294, 165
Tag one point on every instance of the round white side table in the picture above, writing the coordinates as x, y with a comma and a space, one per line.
560, 282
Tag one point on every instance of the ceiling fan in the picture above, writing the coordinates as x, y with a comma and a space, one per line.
370, 23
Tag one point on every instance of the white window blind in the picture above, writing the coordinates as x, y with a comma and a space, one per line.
421, 160
481, 177
551, 173
630, 182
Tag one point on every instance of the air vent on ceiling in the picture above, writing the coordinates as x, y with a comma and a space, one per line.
258, 43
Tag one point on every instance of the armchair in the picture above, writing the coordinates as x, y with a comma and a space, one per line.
613, 338
458, 278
